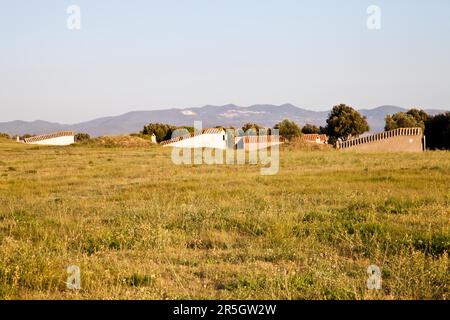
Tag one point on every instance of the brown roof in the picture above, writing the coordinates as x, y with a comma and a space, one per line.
190, 135
314, 137
49, 136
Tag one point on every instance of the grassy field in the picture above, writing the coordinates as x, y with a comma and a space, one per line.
140, 227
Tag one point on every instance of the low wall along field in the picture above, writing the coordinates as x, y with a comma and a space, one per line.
140, 227
394, 144
398, 140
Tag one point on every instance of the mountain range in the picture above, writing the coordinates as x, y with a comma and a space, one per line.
227, 115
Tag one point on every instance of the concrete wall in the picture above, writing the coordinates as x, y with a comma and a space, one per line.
58, 141
210, 140
392, 144
249, 146
256, 142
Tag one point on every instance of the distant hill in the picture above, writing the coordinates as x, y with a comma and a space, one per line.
227, 115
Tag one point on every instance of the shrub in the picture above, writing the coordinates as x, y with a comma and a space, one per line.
288, 129
188, 128
435, 245
139, 280
310, 129
82, 137
160, 130
253, 128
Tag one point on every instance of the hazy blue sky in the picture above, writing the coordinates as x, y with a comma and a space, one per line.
135, 55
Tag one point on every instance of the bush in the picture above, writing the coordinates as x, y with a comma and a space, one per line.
188, 128
82, 137
139, 280
160, 130
310, 129
252, 128
288, 129
119, 142
5, 135
435, 245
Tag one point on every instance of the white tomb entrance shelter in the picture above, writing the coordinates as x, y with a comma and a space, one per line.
62, 138
208, 138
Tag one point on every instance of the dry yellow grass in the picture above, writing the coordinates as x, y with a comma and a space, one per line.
118, 142
141, 227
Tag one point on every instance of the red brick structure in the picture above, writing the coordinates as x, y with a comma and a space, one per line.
314, 138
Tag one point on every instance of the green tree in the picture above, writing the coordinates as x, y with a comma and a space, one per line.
161, 131
288, 129
4, 135
418, 114
344, 122
252, 128
437, 132
410, 119
399, 120
188, 128
310, 129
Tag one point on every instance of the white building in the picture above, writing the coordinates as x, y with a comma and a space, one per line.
62, 138
218, 139
208, 138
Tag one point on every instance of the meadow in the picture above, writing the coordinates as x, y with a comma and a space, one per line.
140, 227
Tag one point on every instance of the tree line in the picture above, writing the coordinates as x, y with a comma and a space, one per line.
436, 128
288, 129
343, 123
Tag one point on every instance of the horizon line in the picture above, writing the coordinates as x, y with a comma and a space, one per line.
216, 106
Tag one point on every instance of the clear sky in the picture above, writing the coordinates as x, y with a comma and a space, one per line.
145, 54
